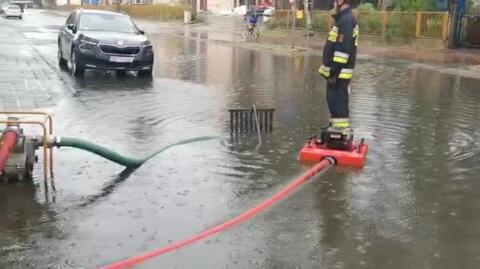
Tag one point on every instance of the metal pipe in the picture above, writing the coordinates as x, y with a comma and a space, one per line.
258, 128
231, 121
270, 116
237, 122
265, 121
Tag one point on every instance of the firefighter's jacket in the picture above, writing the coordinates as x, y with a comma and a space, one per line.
340, 49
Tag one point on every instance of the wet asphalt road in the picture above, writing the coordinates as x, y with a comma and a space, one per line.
415, 205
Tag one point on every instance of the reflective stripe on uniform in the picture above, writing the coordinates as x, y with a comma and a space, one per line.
356, 35
340, 122
340, 57
346, 73
332, 36
324, 71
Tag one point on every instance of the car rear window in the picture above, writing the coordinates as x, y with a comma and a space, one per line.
14, 7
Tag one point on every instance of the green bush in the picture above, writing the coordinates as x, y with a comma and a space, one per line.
275, 22
366, 7
415, 5
320, 20
400, 26
370, 23
300, 23
279, 19
473, 8
434, 27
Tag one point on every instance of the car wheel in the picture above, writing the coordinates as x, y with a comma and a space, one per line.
61, 61
145, 73
77, 69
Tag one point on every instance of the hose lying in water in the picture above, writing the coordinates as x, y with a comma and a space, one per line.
322, 166
114, 156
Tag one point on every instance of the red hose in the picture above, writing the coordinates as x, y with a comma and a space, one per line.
9, 141
127, 263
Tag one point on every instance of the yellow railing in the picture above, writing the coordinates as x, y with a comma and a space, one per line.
41, 119
386, 23
157, 11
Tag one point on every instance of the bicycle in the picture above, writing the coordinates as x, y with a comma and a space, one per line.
251, 32
251, 29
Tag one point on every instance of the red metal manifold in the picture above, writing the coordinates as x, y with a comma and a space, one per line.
314, 152
8, 142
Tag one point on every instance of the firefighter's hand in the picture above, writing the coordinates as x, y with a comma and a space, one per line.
331, 81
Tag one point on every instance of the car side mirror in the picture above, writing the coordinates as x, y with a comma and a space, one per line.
142, 32
71, 27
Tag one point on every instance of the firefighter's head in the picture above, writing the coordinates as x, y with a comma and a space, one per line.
338, 4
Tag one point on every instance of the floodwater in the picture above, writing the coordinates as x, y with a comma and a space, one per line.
415, 205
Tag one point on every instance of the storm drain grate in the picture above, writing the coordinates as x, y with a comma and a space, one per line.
249, 120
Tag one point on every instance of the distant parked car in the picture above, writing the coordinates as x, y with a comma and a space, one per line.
13, 11
268, 13
4, 7
260, 9
94, 39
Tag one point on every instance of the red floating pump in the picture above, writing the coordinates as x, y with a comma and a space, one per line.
315, 151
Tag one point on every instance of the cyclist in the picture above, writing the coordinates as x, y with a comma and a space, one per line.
251, 18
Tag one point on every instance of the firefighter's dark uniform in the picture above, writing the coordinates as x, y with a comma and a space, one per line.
339, 57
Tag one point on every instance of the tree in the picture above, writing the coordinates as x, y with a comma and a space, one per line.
385, 4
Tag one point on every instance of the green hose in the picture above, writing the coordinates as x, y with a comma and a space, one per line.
112, 155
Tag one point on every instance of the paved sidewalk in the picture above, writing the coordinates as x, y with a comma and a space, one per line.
27, 81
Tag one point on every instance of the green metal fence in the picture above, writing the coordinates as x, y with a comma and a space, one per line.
386, 23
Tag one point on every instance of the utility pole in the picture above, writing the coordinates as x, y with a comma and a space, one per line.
193, 4
294, 19
294, 14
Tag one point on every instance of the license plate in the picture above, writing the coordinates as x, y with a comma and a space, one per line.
117, 59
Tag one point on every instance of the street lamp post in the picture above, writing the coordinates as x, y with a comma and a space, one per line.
294, 19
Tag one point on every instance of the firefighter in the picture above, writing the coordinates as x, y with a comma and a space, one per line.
339, 57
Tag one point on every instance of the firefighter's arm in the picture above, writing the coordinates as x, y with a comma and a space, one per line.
344, 46
328, 69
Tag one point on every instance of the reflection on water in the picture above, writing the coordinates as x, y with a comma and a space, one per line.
415, 205
24, 222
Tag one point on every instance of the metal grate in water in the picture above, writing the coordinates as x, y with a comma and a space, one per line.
247, 120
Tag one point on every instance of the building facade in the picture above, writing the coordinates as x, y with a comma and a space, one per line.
227, 6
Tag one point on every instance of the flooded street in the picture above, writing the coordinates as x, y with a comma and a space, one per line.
416, 204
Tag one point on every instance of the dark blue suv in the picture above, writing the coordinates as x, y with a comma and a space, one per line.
93, 39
